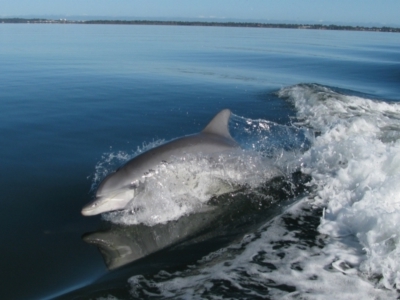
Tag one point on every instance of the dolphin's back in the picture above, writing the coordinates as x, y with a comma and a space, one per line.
214, 138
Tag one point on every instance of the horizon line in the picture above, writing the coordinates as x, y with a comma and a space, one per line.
210, 23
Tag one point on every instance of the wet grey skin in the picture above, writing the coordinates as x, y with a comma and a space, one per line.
119, 188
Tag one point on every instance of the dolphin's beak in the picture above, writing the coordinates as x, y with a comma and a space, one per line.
93, 208
108, 203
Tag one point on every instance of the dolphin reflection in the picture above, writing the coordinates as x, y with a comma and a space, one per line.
121, 245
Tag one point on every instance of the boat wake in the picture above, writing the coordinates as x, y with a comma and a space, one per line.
339, 239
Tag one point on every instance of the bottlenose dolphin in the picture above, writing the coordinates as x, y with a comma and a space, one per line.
118, 189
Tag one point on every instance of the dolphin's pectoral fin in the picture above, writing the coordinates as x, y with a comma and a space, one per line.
219, 124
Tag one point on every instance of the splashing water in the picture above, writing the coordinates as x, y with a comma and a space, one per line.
185, 184
355, 162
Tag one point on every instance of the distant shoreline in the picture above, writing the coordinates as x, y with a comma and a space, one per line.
200, 23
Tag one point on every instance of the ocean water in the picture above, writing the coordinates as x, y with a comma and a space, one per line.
309, 207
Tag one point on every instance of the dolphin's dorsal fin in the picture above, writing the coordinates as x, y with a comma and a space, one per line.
219, 124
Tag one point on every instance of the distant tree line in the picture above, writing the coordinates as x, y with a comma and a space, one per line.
200, 23
20, 20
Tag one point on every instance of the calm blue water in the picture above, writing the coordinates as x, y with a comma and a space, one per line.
72, 94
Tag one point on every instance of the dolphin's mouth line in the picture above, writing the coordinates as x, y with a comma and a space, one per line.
95, 203
101, 200
100, 204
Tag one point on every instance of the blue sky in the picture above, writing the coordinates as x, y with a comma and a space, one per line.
339, 11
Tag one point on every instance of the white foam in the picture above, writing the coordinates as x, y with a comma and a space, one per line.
184, 186
355, 163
